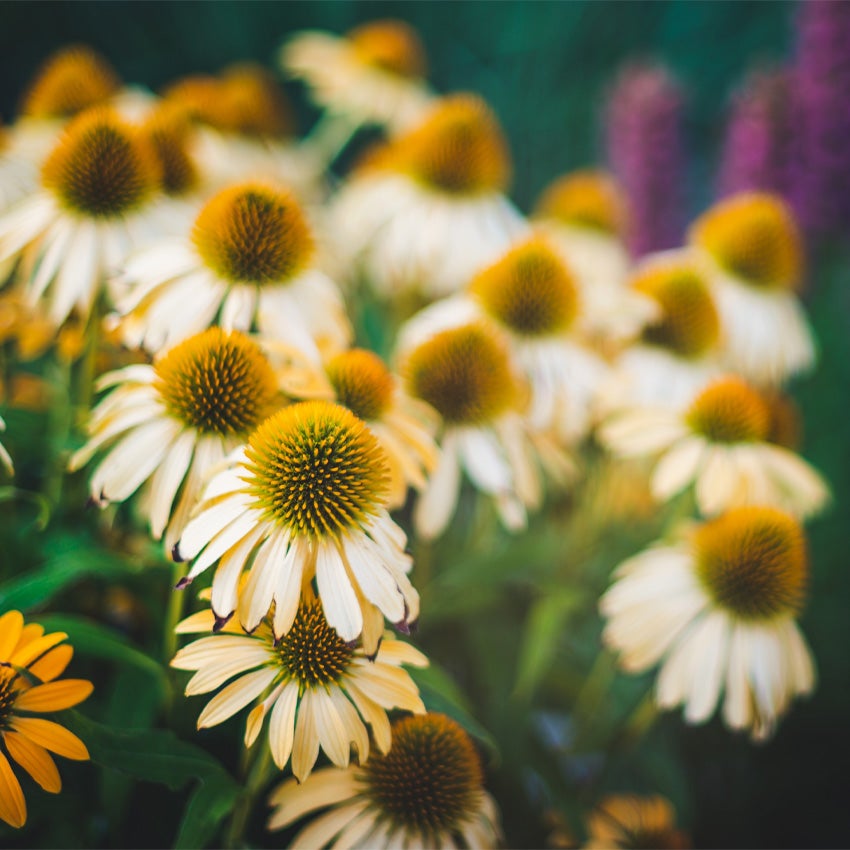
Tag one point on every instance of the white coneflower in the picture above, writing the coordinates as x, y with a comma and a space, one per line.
68, 82
5, 457
584, 214
465, 374
752, 253
425, 792
94, 206
317, 689
244, 129
375, 74
629, 821
428, 211
305, 497
169, 424
533, 296
677, 353
720, 444
403, 425
248, 261
718, 610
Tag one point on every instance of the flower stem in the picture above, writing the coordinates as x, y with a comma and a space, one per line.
256, 764
173, 613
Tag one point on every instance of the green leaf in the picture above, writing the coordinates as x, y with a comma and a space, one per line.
157, 755
440, 693
545, 624
210, 804
91, 638
72, 558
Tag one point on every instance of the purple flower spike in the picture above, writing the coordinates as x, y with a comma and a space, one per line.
821, 178
646, 152
757, 148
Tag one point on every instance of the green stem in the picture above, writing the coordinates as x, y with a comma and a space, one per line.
173, 613
58, 429
256, 765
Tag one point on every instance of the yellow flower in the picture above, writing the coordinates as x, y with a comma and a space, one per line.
626, 820
30, 664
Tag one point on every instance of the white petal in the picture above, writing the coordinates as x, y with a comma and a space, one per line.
282, 724
436, 505
339, 601
235, 697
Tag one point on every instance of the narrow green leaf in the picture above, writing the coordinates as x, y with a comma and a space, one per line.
545, 623
208, 806
91, 638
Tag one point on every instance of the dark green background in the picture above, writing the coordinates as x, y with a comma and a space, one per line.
545, 67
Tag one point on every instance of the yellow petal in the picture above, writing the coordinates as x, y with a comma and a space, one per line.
53, 663
52, 737
54, 696
11, 624
25, 654
35, 760
28, 635
13, 807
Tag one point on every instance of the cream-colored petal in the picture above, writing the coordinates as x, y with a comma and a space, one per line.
326, 787
339, 600
305, 747
677, 468
235, 697
282, 724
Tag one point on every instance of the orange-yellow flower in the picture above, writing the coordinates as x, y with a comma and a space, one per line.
30, 665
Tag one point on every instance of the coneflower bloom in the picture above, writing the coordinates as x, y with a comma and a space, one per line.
31, 663
465, 373
317, 689
533, 296
425, 792
172, 136
93, 207
719, 443
584, 214
628, 821
718, 611
678, 350
244, 129
5, 457
757, 149
646, 151
375, 74
403, 425
752, 255
70, 81
168, 424
428, 211
306, 497
249, 261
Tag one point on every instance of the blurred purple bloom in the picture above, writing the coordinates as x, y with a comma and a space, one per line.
757, 148
821, 179
646, 152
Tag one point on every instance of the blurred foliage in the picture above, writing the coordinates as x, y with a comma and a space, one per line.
509, 621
